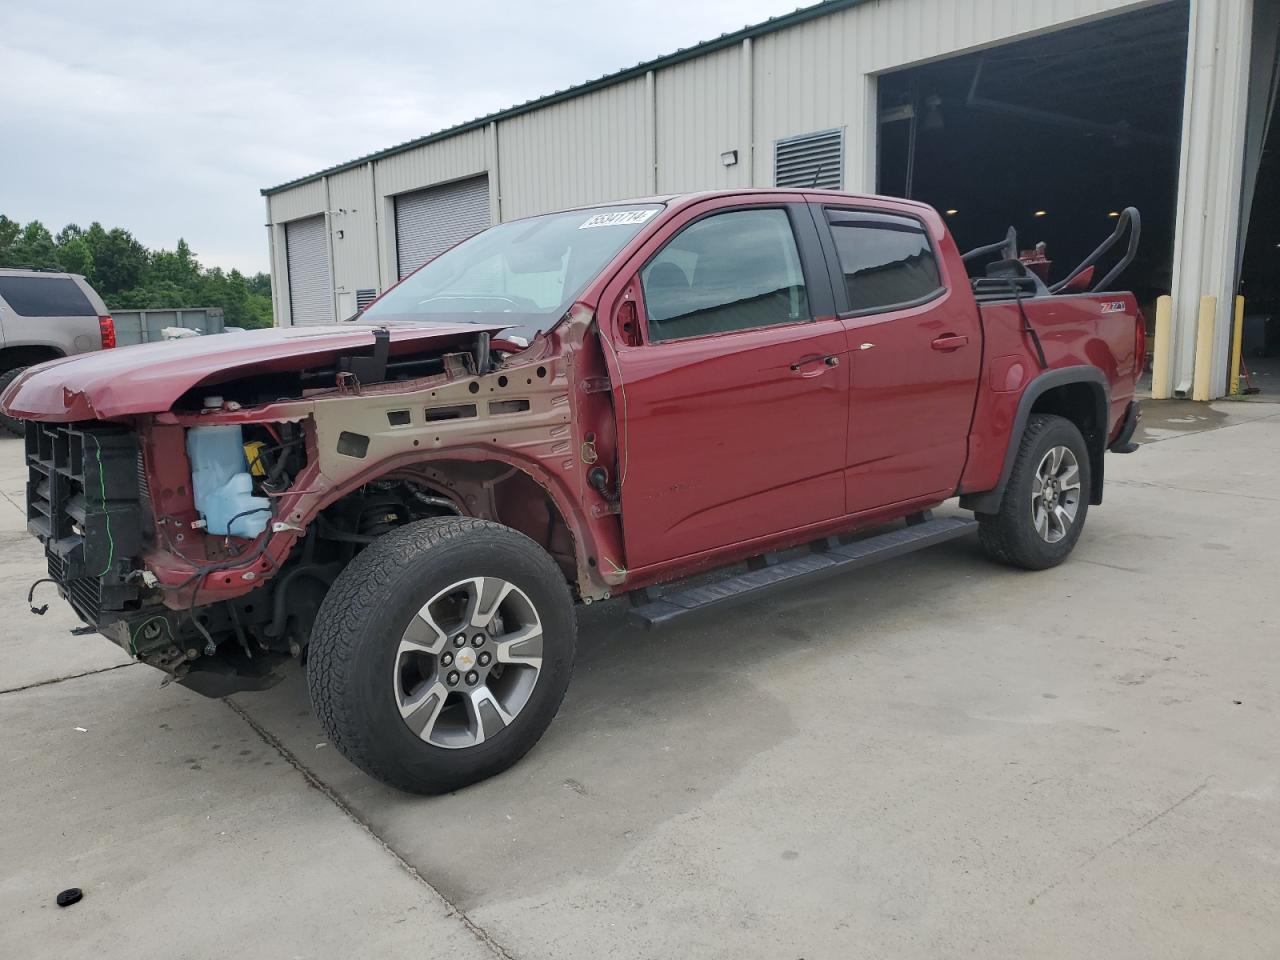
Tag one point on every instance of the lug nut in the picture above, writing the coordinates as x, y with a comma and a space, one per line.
452, 679
472, 677
446, 659
459, 640
484, 659
477, 640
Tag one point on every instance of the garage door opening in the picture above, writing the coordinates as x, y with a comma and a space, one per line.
1054, 135
1260, 268
429, 222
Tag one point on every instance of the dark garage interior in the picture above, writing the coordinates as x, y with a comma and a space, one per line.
1054, 135
1260, 269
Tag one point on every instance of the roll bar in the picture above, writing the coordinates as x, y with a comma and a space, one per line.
1128, 217
1008, 246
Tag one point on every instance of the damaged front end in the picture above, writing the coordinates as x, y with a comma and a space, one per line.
106, 534
202, 535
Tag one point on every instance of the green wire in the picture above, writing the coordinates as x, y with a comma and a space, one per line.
102, 483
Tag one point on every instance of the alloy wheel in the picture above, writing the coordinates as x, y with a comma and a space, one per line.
468, 661
1055, 494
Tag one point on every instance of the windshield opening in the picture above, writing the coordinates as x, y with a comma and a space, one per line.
524, 273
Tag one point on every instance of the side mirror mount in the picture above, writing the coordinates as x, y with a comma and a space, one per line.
628, 321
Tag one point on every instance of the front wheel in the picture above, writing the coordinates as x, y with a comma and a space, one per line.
1046, 500
442, 653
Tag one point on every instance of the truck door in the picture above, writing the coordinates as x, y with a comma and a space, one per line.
733, 400
915, 345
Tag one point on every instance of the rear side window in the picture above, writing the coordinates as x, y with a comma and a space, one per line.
45, 297
887, 261
730, 271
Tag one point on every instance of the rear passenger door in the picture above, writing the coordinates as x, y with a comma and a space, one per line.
915, 352
734, 402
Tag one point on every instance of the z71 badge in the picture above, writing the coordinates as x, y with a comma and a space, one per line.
1113, 306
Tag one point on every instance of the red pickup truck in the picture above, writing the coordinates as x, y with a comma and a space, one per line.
604, 401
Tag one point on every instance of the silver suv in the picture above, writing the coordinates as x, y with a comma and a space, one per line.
46, 315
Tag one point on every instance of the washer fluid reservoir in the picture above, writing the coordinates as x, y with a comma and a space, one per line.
221, 483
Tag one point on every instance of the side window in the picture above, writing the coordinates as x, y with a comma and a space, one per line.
730, 271
886, 260
45, 297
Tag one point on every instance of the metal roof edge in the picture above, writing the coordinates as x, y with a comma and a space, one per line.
772, 25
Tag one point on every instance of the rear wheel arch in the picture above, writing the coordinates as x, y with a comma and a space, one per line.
1078, 394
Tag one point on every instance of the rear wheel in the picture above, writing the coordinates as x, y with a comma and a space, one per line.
442, 653
12, 424
1047, 498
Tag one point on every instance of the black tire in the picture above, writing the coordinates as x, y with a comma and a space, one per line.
15, 426
1011, 536
354, 670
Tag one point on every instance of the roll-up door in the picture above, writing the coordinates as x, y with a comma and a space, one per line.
428, 222
310, 289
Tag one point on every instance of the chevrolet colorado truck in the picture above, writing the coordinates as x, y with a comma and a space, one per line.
774, 385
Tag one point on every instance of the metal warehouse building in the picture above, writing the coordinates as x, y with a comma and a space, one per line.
1051, 115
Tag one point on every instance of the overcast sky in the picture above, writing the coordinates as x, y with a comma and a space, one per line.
167, 117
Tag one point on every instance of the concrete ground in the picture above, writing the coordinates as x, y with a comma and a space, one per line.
934, 758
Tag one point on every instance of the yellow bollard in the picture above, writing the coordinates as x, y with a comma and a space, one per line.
1161, 355
1204, 349
1237, 339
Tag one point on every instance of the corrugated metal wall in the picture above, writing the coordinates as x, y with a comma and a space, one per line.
700, 115
303, 201
665, 131
353, 223
452, 159
593, 147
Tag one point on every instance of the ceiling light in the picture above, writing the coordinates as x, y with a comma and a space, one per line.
1042, 213
952, 212
1114, 213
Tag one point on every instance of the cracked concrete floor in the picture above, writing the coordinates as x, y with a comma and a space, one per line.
933, 758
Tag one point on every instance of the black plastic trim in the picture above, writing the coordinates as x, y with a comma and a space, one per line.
835, 269
1123, 442
989, 501
827, 559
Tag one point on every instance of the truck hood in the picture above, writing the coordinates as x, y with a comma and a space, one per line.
150, 377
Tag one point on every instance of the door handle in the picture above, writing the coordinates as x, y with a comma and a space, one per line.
949, 341
832, 360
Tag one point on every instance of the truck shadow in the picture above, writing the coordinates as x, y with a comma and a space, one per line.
654, 724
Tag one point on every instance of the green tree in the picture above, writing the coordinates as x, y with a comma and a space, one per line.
176, 266
74, 257
68, 233
30, 246
9, 230
119, 261
260, 283
131, 277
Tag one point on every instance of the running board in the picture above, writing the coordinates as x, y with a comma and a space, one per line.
823, 562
